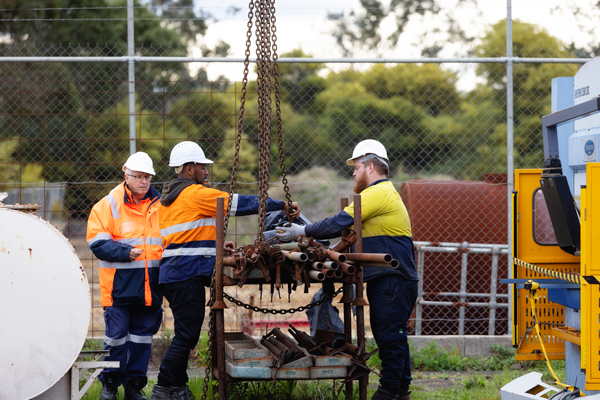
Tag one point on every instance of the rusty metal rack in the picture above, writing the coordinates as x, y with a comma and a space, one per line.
305, 262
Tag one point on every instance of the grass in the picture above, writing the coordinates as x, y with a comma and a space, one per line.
470, 376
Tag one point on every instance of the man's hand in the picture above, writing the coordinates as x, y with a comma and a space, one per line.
229, 247
289, 233
295, 212
135, 253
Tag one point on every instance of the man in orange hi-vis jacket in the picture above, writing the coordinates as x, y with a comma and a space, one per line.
187, 217
123, 233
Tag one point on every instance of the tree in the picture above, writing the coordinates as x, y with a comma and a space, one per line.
531, 82
363, 29
300, 82
427, 85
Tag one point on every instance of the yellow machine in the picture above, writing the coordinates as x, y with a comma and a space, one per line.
556, 241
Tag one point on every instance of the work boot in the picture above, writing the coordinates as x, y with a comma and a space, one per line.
403, 395
161, 393
182, 393
109, 391
382, 394
133, 391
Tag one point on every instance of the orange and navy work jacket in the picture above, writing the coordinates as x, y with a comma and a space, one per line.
187, 216
116, 225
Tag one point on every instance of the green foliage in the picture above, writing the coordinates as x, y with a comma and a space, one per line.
426, 85
201, 350
299, 82
432, 357
12, 171
475, 382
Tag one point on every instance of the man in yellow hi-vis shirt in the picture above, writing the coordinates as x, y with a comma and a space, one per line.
392, 293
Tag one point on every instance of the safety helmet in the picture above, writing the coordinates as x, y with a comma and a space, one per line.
369, 146
186, 152
140, 162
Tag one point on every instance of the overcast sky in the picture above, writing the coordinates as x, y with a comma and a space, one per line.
304, 24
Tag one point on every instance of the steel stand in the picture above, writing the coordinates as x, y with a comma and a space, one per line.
360, 301
347, 301
219, 306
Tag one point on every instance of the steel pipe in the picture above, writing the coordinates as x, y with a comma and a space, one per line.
347, 268
335, 256
295, 255
317, 265
338, 273
370, 257
346, 300
316, 275
287, 246
332, 265
359, 301
327, 272
393, 264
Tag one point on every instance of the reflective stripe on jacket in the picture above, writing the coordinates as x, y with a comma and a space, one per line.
188, 229
115, 226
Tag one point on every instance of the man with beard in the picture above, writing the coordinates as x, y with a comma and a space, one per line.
392, 293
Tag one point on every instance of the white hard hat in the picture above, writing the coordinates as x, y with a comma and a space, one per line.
186, 152
365, 147
141, 162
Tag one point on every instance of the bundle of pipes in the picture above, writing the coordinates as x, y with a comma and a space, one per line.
331, 343
304, 260
284, 349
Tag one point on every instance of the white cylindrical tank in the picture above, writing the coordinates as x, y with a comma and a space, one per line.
45, 305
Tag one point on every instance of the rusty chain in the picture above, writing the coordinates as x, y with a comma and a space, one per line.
284, 180
284, 311
264, 114
264, 10
233, 183
238, 137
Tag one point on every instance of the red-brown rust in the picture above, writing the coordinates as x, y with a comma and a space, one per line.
360, 302
393, 264
346, 242
347, 268
328, 272
347, 301
335, 256
369, 257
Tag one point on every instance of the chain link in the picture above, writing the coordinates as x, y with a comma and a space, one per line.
283, 311
264, 10
240, 125
264, 115
284, 180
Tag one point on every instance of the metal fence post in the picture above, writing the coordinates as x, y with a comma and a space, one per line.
463, 288
493, 289
131, 67
509, 141
420, 271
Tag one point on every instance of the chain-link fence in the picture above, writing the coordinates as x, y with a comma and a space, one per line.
65, 133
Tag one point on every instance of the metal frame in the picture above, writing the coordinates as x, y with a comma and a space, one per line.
79, 367
219, 365
550, 123
464, 248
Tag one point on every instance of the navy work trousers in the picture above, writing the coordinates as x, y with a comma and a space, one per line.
128, 336
391, 302
186, 300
